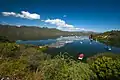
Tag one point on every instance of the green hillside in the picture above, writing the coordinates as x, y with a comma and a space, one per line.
32, 32
110, 38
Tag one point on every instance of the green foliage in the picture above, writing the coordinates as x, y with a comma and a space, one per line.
3, 39
9, 50
30, 63
34, 58
14, 69
109, 38
62, 68
106, 68
107, 54
20, 62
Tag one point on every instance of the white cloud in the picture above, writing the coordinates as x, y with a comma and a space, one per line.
23, 14
62, 25
58, 23
8, 13
64, 15
71, 29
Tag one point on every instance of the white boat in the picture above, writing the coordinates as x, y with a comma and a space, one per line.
96, 40
108, 48
81, 42
68, 41
80, 58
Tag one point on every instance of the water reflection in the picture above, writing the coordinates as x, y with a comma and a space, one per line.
62, 41
72, 45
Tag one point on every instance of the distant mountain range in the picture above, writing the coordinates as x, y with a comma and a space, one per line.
34, 33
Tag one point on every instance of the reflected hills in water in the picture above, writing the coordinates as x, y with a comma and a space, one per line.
60, 42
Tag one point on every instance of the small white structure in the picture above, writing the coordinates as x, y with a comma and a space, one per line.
81, 42
80, 58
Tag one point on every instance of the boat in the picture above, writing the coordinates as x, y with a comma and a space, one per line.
81, 42
80, 57
68, 41
96, 40
108, 48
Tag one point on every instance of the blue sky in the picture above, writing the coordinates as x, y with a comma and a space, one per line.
70, 15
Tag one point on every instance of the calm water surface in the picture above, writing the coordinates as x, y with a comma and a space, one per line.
73, 45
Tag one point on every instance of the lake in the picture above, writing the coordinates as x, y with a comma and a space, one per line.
72, 45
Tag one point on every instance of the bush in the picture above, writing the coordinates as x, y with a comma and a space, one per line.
33, 57
15, 69
90, 60
9, 50
106, 68
61, 68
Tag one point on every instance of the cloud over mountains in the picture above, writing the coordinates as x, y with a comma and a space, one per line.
62, 25
23, 14
59, 23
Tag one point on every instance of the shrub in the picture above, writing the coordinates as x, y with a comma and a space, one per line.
33, 57
9, 50
15, 69
106, 68
62, 68
90, 60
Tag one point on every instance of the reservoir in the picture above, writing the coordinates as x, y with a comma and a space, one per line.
73, 45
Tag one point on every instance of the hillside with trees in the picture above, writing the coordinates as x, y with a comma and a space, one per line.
110, 38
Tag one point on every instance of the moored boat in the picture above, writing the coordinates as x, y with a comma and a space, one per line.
81, 42
108, 48
81, 56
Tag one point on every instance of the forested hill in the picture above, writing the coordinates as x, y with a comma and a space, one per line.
110, 38
32, 32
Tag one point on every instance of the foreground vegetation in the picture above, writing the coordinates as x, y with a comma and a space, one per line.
110, 38
20, 62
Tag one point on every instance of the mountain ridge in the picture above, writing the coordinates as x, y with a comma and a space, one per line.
34, 32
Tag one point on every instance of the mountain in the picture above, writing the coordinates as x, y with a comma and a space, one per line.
33, 32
